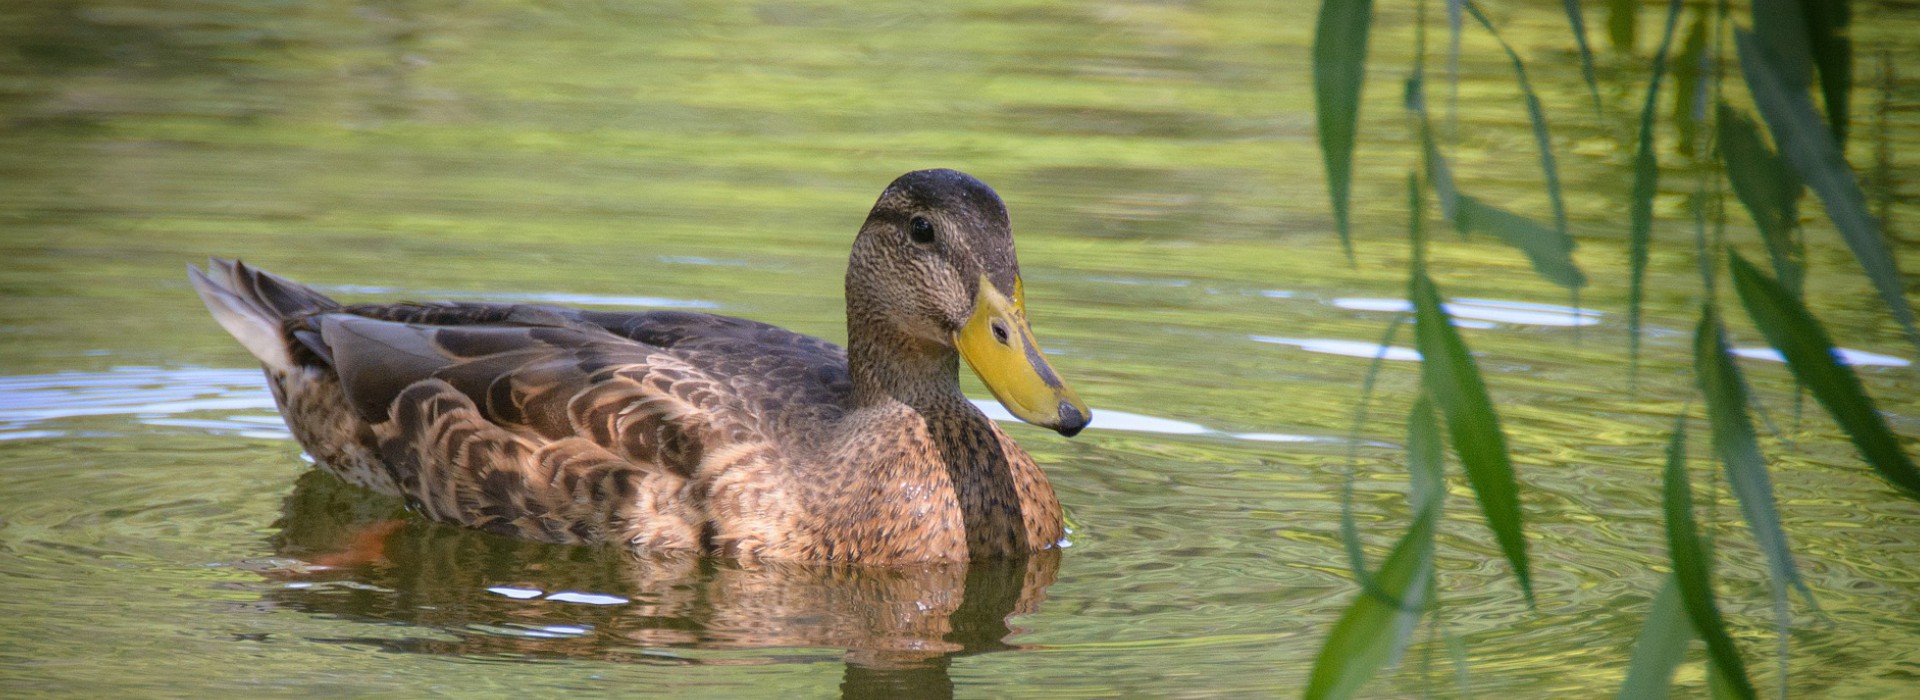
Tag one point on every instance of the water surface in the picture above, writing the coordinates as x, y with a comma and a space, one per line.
160, 534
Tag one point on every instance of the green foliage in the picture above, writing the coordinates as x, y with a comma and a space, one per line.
1746, 470
1538, 118
1364, 638
1623, 18
1827, 22
1375, 629
1661, 647
1689, 85
1646, 183
1767, 187
1339, 71
1810, 354
1792, 41
1693, 569
1578, 25
1812, 151
1802, 36
1453, 380
1550, 251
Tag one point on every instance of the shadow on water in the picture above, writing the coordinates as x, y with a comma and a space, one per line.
478, 596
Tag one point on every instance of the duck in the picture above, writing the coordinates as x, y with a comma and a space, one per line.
675, 432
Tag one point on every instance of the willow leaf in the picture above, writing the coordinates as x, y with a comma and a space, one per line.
1781, 26
1453, 381
1425, 456
1693, 571
1689, 88
1364, 638
1739, 451
1439, 175
1623, 18
1425, 489
1339, 72
1720, 685
1542, 137
1661, 647
1578, 24
1767, 188
1829, 38
1349, 530
1792, 329
1646, 183
1550, 251
1807, 145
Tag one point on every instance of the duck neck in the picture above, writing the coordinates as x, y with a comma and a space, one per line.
888, 366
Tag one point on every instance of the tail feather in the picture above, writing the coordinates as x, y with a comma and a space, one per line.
254, 306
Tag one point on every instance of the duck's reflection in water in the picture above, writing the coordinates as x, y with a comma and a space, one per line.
485, 596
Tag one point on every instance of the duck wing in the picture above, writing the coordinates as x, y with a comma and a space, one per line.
539, 383
767, 377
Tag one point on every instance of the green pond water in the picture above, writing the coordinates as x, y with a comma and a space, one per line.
161, 535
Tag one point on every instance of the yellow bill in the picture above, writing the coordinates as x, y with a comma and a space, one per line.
999, 346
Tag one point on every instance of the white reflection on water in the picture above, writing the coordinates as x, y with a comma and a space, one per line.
1349, 348
516, 593
578, 597
1859, 358
151, 396
1486, 311
1109, 419
587, 598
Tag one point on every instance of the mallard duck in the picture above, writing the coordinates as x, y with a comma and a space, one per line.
673, 431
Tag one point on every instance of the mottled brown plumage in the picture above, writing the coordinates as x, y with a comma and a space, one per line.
673, 431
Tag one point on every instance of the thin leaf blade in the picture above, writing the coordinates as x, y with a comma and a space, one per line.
1452, 379
1578, 24
1363, 639
1660, 648
1646, 183
1623, 19
1425, 456
1339, 72
1689, 85
1693, 571
1549, 251
1791, 329
1542, 136
1767, 187
1832, 45
1745, 468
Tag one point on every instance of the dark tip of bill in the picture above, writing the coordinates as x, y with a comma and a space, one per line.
1071, 420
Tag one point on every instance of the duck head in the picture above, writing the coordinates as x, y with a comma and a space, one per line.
934, 270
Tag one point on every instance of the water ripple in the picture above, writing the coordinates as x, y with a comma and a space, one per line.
36, 406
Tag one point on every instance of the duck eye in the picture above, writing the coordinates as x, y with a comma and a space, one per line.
921, 230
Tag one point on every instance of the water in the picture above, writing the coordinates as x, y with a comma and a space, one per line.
159, 534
